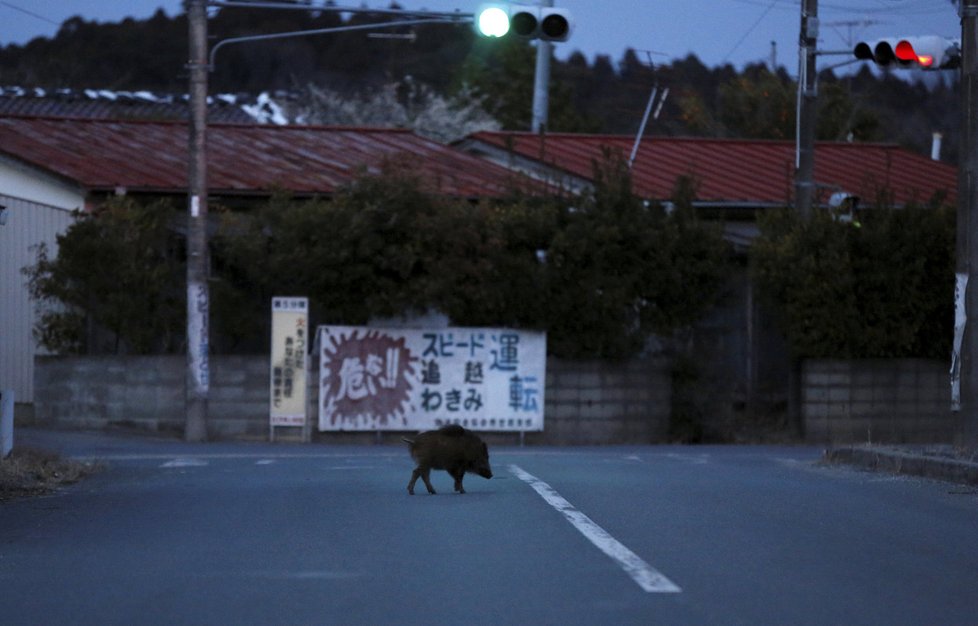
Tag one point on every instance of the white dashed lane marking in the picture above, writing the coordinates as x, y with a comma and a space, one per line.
646, 576
185, 462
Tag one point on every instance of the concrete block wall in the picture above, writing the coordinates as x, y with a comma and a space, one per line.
587, 403
147, 393
596, 402
877, 400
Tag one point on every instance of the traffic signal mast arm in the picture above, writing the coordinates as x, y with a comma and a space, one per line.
496, 19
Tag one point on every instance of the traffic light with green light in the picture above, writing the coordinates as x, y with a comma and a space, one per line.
523, 21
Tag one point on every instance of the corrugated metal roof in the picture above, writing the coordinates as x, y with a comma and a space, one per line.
242, 159
106, 104
748, 172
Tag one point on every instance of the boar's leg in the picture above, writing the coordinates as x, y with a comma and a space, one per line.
427, 483
423, 474
458, 474
414, 479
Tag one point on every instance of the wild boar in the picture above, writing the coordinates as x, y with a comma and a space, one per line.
450, 448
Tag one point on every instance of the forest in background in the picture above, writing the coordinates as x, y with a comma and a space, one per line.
587, 95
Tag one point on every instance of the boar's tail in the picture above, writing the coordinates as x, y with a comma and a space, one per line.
406, 440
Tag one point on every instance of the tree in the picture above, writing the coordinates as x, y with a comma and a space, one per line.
621, 270
373, 250
842, 118
758, 105
879, 287
116, 271
404, 105
600, 272
494, 268
501, 73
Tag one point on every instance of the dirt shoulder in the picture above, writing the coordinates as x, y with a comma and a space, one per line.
31, 471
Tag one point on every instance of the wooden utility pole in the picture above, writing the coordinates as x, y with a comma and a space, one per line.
198, 293
807, 109
963, 369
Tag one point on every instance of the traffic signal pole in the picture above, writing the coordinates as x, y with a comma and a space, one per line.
807, 109
541, 82
963, 369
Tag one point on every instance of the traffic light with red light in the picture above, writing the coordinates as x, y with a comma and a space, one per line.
929, 52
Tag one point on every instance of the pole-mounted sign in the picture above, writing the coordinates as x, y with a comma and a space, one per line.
290, 343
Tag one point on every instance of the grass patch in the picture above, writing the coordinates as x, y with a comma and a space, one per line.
31, 472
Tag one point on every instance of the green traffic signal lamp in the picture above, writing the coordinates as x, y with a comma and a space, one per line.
492, 21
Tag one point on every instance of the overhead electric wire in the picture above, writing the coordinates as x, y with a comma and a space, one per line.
750, 30
31, 13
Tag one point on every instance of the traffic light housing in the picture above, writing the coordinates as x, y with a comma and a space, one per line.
523, 21
930, 52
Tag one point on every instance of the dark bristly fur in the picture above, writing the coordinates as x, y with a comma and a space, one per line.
450, 448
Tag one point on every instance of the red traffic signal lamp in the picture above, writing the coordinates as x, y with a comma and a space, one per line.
929, 52
524, 21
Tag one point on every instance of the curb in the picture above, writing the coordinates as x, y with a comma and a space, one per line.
895, 462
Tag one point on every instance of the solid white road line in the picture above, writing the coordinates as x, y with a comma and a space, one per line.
647, 577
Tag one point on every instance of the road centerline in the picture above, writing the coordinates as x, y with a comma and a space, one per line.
647, 577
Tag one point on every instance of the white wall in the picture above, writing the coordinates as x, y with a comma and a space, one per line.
38, 209
27, 183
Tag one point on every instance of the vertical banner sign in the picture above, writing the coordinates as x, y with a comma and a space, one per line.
197, 337
960, 321
488, 379
290, 320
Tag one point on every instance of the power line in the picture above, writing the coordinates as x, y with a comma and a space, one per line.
750, 30
31, 13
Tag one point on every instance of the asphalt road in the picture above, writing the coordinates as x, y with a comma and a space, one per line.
174, 533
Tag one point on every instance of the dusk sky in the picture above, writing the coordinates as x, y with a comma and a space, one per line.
717, 31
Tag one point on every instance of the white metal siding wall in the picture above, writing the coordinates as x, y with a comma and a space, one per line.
28, 224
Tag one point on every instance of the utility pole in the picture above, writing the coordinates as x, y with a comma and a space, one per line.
198, 295
965, 357
541, 82
807, 109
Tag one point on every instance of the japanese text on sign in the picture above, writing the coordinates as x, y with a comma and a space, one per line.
288, 367
419, 379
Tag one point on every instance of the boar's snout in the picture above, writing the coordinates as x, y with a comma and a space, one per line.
482, 467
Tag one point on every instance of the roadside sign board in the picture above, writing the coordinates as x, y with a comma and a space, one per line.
290, 338
489, 379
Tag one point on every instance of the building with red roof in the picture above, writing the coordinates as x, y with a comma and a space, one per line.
137, 156
729, 173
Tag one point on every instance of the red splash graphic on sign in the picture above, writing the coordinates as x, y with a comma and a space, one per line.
366, 378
